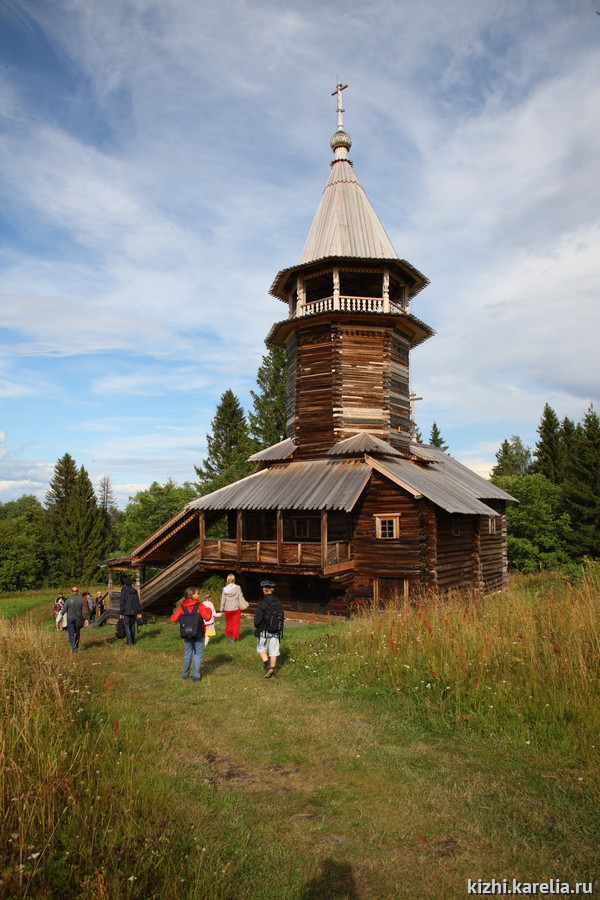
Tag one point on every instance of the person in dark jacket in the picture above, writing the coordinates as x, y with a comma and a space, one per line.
77, 617
268, 627
130, 609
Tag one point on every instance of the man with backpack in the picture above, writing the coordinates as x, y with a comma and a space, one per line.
268, 627
191, 616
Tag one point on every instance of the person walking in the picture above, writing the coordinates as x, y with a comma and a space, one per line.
209, 625
90, 603
130, 610
58, 610
193, 647
77, 617
268, 627
232, 601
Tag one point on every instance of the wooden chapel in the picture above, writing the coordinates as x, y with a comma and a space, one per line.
348, 508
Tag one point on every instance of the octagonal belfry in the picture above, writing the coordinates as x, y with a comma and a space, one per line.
349, 329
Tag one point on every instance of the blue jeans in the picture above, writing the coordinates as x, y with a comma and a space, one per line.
129, 622
73, 630
192, 654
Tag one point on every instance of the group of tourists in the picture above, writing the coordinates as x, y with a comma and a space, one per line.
196, 619
197, 624
72, 614
94, 605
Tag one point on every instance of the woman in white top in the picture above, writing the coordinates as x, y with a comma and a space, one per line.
231, 597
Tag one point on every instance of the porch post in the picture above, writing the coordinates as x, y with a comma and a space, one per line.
202, 524
279, 536
238, 534
386, 290
323, 538
336, 288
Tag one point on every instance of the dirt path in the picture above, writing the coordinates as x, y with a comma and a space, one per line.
356, 803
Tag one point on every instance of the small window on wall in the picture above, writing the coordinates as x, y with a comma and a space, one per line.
492, 524
455, 526
387, 527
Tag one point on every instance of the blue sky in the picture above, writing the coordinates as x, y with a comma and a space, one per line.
161, 162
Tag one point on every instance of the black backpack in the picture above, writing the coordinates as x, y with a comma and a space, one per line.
273, 617
191, 624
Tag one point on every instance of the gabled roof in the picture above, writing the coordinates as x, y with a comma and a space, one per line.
450, 485
456, 473
337, 484
276, 452
307, 485
363, 442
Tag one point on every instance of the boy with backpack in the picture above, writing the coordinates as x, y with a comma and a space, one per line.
268, 627
191, 616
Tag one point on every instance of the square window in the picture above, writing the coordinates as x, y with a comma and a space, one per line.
387, 527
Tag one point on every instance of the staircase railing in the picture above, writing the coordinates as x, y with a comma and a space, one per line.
170, 576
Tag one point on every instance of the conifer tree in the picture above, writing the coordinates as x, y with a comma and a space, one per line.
581, 488
85, 538
62, 484
267, 422
548, 449
107, 502
513, 458
228, 447
436, 439
567, 436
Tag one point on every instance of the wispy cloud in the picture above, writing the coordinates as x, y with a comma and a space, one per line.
148, 198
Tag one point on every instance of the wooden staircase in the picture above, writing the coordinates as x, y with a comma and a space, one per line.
165, 589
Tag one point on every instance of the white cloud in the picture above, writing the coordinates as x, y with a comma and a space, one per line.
150, 197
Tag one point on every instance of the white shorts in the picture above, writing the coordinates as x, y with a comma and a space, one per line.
269, 644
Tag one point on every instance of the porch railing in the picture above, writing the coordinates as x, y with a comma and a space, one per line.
290, 554
349, 304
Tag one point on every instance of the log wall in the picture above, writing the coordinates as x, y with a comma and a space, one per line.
455, 559
345, 378
397, 557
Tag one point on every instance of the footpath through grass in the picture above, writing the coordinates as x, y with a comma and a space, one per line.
335, 779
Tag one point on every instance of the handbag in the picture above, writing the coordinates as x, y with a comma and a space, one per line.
120, 629
243, 603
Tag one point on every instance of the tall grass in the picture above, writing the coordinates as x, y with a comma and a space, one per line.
522, 666
73, 821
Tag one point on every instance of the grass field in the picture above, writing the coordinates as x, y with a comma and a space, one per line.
397, 755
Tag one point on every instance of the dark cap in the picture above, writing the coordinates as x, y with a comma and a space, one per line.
267, 583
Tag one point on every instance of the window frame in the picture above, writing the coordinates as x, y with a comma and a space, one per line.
380, 519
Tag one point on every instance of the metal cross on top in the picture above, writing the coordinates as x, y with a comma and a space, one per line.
340, 87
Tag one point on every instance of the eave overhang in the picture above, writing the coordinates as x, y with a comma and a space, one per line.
285, 279
414, 330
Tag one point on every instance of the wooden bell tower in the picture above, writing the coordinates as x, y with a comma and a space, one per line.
349, 329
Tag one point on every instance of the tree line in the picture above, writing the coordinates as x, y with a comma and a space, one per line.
62, 541
555, 522
557, 519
